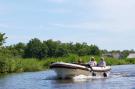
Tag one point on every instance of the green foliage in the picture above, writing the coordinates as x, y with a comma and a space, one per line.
6, 53
19, 65
130, 61
30, 65
3, 65
2, 38
61, 52
83, 52
20, 47
35, 49
12, 57
41, 50
94, 50
8, 65
44, 50
52, 47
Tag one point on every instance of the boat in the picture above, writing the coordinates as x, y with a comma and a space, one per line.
69, 70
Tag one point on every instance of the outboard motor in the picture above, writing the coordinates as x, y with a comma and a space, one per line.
93, 74
105, 74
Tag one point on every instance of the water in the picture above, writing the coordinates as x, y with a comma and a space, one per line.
121, 77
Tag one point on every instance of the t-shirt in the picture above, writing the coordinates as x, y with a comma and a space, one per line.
92, 63
102, 63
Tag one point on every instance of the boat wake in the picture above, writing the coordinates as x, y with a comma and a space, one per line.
87, 78
76, 78
117, 75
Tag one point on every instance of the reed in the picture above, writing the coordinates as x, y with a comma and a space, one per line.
19, 65
9, 65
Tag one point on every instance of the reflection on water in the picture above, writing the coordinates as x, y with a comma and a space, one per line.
121, 77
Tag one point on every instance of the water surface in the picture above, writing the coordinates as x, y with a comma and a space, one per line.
121, 77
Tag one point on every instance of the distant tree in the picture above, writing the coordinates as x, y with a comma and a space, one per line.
132, 51
2, 38
83, 52
19, 47
44, 51
104, 51
70, 47
94, 50
61, 52
38, 49
35, 49
5, 52
52, 46
115, 51
78, 46
125, 53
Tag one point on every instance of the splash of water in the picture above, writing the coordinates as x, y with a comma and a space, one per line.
85, 78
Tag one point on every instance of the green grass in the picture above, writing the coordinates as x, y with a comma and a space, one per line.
28, 65
9, 65
20, 65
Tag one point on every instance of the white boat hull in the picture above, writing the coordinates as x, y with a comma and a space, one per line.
65, 71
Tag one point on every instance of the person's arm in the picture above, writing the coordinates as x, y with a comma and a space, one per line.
95, 63
104, 64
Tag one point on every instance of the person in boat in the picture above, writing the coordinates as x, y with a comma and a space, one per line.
92, 62
102, 62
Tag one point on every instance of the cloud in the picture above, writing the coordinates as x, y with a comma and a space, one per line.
98, 26
113, 16
103, 22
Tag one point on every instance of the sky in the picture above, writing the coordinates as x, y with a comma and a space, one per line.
109, 24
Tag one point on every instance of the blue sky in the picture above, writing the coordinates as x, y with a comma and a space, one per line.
107, 23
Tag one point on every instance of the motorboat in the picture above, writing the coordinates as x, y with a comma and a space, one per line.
69, 70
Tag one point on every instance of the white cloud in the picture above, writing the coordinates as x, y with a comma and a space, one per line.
97, 17
99, 26
114, 15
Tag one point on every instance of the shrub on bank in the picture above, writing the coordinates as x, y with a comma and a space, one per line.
19, 65
28, 65
8, 65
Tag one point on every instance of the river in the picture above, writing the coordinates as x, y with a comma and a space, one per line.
121, 77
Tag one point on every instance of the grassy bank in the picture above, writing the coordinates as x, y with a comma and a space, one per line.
85, 59
9, 65
19, 65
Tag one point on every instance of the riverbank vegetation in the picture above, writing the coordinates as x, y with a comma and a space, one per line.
38, 55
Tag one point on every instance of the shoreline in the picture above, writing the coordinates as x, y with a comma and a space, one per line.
16, 65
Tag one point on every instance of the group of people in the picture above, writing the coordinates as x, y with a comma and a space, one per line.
93, 62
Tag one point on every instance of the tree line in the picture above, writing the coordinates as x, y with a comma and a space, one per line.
36, 48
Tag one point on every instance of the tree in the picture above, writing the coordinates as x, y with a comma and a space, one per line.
83, 52
61, 51
52, 46
94, 50
125, 53
19, 47
44, 50
2, 38
35, 49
